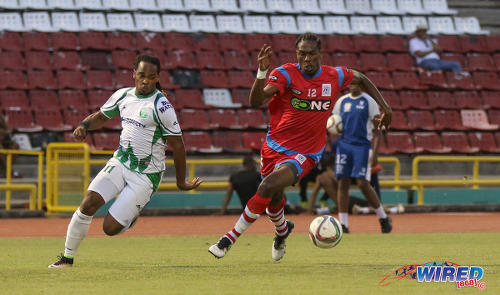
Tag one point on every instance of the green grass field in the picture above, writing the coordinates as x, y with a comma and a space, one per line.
182, 265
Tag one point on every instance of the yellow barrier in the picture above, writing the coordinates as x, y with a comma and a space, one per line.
31, 188
8, 180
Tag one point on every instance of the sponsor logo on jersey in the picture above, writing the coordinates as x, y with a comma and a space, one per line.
315, 105
326, 90
296, 91
300, 158
165, 106
347, 107
273, 77
143, 113
132, 122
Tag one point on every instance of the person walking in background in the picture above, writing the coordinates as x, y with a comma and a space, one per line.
359, 112
426, 52
301, 97
134, 172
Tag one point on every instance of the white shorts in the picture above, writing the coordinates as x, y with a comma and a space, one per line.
134, 190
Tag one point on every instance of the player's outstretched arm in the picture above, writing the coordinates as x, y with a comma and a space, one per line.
92, 122
177, 145
370, 88
260, 92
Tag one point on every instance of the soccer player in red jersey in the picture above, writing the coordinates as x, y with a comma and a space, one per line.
301, 98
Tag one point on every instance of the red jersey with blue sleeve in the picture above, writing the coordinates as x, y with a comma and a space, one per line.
300, 109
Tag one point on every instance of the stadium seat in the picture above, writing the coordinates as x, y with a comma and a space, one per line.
334, 7
240, 96
185, 59
342, 43
492, 42
486, 80
430, 142
144, 5
64, 40
73, 99
406, 80
491, 99
195, 119
204, 42
441, 100
121, 22
210, 60
11, 41
50, 120
38, 21
473, 43
14, 99
496, 59
100, 79
226, 6
402, 142
448, 120
363, 24
225, 119
384, 149
433, 79
381, 79
106, 140
166, 81
11, 21
253, 140
229, 24
236, 59
387, 7
93, 40
123, 40
123, 78
458, 57
12, 60
458, 142
93, 21
480, 62
412, 7
114, 123
170, 5
257, 23
450, 43
10, 4
368, 43
283, 42
229, 141
349, 60
231, 42
438, 7
203, 23
89, 4
469, 25
441, 25
66, 60
148, 40
307, 7
97, 98
283, 24
310, 23
199, 142
361, 7
123, 58
392, 99
252, 118
372, 61
494, 117
392, 43
44, 99
71, 79
280, 6
12, 80
198, 5
256, 41
413, 100
175, 23
189, 98
399, 61
338, 25
461, 81
219, 98
21, 120
476, 119
214, 79
39, 60
41, 79
240, 78
485, 141
95, 60
73, 117
389, 25
410, 23
35, 41
65, 21
287, 57
467, 100
420, 119
253, 6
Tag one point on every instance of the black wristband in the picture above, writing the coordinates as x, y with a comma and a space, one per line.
85, 124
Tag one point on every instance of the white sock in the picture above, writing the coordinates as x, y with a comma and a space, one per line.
380, 212
324, 210
77, 230
364, 210
344, 219
393, 210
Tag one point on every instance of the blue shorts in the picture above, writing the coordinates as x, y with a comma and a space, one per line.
352, 161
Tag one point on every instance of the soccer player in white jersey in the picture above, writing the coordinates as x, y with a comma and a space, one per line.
134, 172
359, 112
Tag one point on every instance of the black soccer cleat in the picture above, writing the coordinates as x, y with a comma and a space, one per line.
279, 246
386, 224
62, 262
345, 229
220, 249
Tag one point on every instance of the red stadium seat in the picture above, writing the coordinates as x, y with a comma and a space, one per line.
400, 61
160, 54
252, 118
51, 120
254, 42
384, 149
254, 58
216, 79
44, 99
381, 79
405, 80
433, 79
240, 79
106, 140
184, 42
66, 60
392, 98
95, 60
180, 59
372, 61
430, 142
339, 43
440, 100
484, 141
199, 142
201, 42
97, 98
486, 80
480, 62
229, 141
253, 140
148, 40
93, 40
38, 60
123, 59
189, 98
349, 60
283, 42
21, 120
458, 142
491, 99
231, 41
392, 43
493, 42
467, 100
449, 43
166, 81
123, 78
399, 121
12, 80
458, 57
36, 41
402, 143
326, 59
473, 43
413, 100
64, 40
210, 60
366, 43
114, 123
11, 60
121, 40
73, 117
100, 79
449, 120
460, 81
225, 119
73, 99
421, 120
14, 99
195, 119
494, 117
41, 79
496, 59
285, 57
476, 119
236, 59
241, 95
11, 41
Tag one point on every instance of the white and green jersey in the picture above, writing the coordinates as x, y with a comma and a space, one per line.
145, 122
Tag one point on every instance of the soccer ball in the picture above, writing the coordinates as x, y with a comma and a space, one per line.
334, 124
325, 231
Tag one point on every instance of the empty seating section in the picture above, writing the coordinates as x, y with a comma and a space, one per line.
61, 60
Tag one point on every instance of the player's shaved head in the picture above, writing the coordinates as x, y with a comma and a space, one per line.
309, 37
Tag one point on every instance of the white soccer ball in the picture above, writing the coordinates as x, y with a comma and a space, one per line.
334, 124
325, 231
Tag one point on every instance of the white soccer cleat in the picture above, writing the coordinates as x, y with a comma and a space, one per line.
278, 249
220, 249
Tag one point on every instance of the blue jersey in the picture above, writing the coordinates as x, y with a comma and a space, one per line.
357, 118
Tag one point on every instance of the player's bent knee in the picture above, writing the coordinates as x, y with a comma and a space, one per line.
92, 202
110, 226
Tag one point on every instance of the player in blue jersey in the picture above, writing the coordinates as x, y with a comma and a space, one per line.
359, 113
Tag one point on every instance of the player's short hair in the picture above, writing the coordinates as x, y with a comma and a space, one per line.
309, 37
149, 59
248, 159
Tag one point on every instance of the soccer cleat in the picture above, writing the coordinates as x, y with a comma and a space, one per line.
279, 245
386, 224
63, 262
345, 229
220, 249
